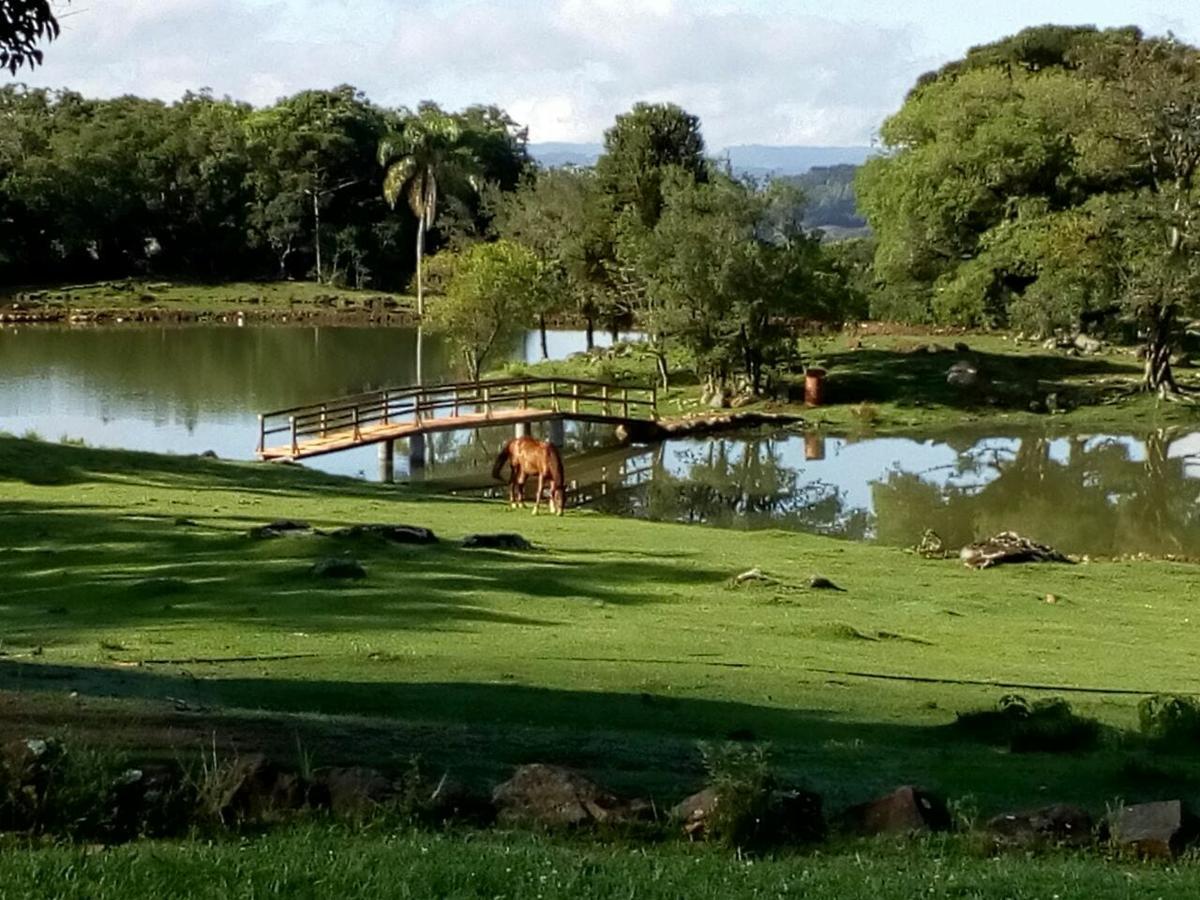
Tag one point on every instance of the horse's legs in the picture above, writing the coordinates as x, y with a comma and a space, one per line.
513, 476
541, 485
519, 488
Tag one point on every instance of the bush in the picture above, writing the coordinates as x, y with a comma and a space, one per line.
1043, 726
742, 779
1170, 718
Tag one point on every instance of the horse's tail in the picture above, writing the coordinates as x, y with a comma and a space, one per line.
500, 461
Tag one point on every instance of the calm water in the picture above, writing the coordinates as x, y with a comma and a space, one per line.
190, 389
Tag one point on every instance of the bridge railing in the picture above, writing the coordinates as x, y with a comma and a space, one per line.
418, 405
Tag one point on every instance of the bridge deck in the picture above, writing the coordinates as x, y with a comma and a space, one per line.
397, 413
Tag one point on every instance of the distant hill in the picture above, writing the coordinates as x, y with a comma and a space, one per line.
829, 192
750, 159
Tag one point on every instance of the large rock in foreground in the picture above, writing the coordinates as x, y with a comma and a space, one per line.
906, 809
556, 797
1160, 830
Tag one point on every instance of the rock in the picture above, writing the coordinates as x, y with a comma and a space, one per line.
742, 400
1161, 830
960, 347
254, 789
1050, 343
151, 800
1085, 344
931, 546
27, 766
351, 793
718, 399
962, 374
452, 800
209, 454
906, 809
1060, 824
1052, 403
338, 567
1037, 406
397, 534
502, 541
281, 527
797, 816
557, 797
820, 583
694, 813
755, 574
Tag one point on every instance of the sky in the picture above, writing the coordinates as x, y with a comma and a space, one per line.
818, 72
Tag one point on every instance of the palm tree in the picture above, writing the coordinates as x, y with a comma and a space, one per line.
430, 148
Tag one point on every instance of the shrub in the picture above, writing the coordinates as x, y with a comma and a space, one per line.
742, 779
1170, 718
1043, 726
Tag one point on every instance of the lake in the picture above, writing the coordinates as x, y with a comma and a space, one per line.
194, 388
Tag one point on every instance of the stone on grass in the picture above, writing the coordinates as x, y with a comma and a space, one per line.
962, 374
340, 567
27, 766
906, 809
397, 534
280, 527
1160, 830
501, 541
557, 797
150, 800
254, 789
351, 793
1085, 344
821, 583
791, 816
1060, 824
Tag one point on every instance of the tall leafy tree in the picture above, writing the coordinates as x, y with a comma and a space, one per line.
430, 149
491, 290
1043, 177
23, 25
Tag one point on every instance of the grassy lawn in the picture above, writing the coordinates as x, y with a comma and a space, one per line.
895, 382
137, 611
318, 863
151, 298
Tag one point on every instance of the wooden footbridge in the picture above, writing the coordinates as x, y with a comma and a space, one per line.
391, 414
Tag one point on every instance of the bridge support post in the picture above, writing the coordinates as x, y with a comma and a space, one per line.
387, 461
556, 430
521, 429
416, 452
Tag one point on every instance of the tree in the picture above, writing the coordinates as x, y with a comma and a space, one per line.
723, 274
553, 213
1043, 179
640, 148
430, 148
488, 298
23, 24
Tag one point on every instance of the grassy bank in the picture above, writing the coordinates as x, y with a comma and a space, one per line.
894, 381
131, 299
315, 862
137, 611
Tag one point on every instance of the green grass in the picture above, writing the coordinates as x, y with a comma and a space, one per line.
151, 298
615, 647
896, 383
318, 862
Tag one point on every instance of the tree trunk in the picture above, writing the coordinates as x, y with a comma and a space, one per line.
614, 328
542, 329
1157, 375
420, 342
420, 256
591, 333
664, 374
317, 232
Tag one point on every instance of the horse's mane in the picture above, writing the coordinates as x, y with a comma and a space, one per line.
501, 460
556, 464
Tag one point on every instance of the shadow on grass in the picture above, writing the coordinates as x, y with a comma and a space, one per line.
638, 742
895, 376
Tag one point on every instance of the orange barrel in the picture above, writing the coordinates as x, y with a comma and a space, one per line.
814, 387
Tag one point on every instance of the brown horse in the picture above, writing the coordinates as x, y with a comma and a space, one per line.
528, 456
